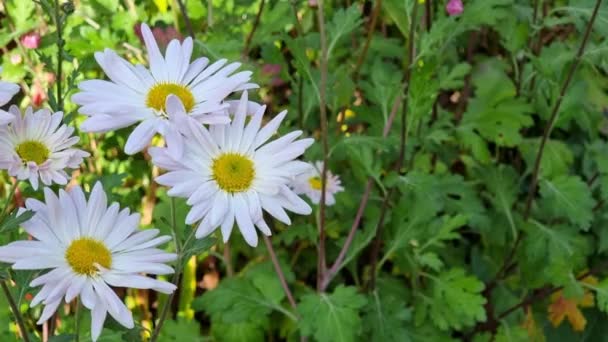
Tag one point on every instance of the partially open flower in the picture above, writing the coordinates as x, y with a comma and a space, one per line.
309, 183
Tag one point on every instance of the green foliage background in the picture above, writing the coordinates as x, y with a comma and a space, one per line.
457, 249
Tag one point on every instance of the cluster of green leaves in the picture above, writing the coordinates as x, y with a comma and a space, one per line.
457, 249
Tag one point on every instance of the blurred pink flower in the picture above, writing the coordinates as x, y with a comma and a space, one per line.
312, 3
454, 7
273, 70
163, 35
31, 40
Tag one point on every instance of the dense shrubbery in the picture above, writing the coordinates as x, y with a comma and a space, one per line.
466, 158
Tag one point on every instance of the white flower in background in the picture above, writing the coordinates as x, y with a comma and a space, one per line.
7, 91
37, 146
309, 183
88, 247
135, 94
229, 173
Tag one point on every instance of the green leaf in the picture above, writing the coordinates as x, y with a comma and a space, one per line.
502, 183
237, 300
332, 317
343, 22
568, 197
454, 300
601, 294
14, 220
557, 157
180, 330
455, 78
386, 317
495, 113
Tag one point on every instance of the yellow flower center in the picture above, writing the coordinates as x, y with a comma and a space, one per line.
33, 151
157, 96
233, 172
84, 253
315, 182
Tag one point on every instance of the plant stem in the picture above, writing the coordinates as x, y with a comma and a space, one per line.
402, 146
300, 32
370, 34
322, 264
555, 111
179, 249
280, 274
77, 318
337, 265
16, 312
60, 45
228, 259
182, 9
256, 23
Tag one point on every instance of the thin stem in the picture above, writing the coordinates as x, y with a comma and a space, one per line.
300, 32
228, 259
329, 275
402, 146
256, 23
337, 265
77, 318
322, 263
182, 9
16, 312
176, 275
280, 274
370, 34
60, 45
555, 111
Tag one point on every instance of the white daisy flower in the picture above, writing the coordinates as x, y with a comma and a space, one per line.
229, 173
7, 91
309, 183
36, 145
135, 94
88, 247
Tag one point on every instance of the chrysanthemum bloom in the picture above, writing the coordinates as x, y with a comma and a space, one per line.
36, 145
562, 307
135, 94
230, 173
309, 183
454, 7
7, 91
88, 247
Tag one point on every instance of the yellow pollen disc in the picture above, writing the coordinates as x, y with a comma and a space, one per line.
84, 253
315, 182
157, 96
233, 172
33, 151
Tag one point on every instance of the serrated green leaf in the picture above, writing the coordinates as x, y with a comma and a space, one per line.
568, 197
454, 300
332, 317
